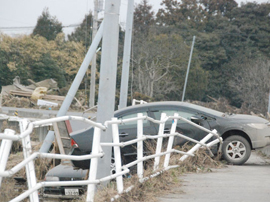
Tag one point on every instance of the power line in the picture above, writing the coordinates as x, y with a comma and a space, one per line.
32, 27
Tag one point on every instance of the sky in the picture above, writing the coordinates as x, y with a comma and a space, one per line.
20, 16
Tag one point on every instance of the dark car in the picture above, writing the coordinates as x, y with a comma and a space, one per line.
241, 133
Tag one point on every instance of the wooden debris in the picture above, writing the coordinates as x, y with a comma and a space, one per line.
29, 94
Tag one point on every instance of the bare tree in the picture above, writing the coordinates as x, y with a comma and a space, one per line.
155, 59
252, 83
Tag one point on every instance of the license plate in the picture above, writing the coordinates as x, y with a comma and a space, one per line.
72, 192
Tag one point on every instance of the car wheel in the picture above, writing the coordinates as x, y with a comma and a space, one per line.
236, 150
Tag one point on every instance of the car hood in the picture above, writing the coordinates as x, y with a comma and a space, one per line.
242, 118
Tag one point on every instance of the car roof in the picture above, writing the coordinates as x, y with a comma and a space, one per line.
168, 104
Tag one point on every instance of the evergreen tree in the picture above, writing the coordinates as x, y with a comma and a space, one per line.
143, 18
223, 7
177, 13
47, 26
83, 33
46, 68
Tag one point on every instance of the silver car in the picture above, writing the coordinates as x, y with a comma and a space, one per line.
241, 133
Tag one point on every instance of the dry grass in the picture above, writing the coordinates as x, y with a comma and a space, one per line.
147, 191
163, 183
41, 168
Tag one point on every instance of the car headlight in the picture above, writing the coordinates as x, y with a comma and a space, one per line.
258, 125
51, 178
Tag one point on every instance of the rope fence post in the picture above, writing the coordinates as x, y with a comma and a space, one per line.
29, 167
5, 151
117, 157
170, 142
140, 146
91, 188
159, 141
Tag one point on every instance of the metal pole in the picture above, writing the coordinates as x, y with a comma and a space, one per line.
269, 106
126, 57
79, 77
93, 66
190, 56
107, 84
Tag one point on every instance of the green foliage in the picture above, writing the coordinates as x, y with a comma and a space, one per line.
160, 63
47, 26
230, 41
83, 33
143, 18
36, 58
6, 75
45, 68
185, 11
220, 7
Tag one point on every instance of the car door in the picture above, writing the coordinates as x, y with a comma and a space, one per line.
182, 126
128, 131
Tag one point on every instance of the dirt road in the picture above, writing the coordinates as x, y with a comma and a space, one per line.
247, 183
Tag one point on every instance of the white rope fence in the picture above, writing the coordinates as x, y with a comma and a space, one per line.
27, 127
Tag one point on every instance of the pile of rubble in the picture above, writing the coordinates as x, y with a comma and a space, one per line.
222, 105
37, 94
43, 94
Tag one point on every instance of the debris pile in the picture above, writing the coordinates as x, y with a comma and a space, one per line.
42, 94
223, 105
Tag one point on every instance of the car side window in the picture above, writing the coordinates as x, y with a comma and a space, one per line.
128, 116
187, 115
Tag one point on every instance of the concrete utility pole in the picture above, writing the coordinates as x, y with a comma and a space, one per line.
190, 57
78, 79
126, 57
107, 84
79, 76
93, 66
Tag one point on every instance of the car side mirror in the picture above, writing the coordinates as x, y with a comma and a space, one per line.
196, 119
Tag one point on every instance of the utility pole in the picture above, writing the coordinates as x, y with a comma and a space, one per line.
93, 66
78, 79
190, 57
126, 57
107, 84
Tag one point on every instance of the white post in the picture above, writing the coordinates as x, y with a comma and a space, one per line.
4, 151
170, 142
197, 146
91, 188
159, 141
117, 157
140, 146
29, 167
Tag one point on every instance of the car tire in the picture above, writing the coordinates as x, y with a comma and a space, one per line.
236, 150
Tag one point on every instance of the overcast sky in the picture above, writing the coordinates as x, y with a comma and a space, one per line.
20, 16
